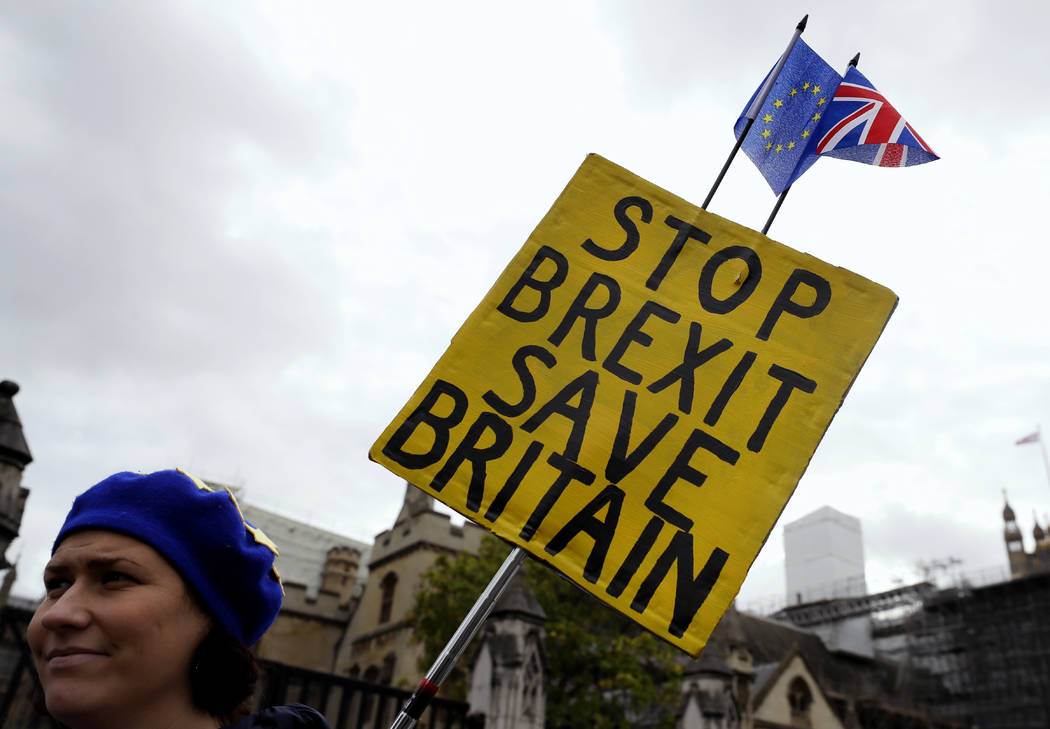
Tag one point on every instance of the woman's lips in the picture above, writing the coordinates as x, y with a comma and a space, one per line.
71, 657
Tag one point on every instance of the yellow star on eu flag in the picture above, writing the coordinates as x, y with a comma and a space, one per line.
791, 145
816, 117
766, 132
821, 102
816, 89
805, 133
805, 86
778, 103
792, 92
767, 118
780, 148
769, 145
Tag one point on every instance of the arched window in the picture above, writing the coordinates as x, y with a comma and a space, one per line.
800, 698
386, 676
386, 600
531, 687
367, 698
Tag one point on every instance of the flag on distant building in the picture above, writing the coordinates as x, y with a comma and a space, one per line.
788, 120
1033, 438
859, 124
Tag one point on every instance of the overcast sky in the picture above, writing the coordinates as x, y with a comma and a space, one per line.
236, 236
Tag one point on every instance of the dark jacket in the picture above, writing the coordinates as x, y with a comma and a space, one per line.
293, 716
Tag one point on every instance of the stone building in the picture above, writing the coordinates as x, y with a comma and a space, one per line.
508, 676
754, 674
757, 673
716, 686
975, 652
14, 457
322, 579
377, 645
15, 695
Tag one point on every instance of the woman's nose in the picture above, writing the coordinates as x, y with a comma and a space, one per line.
70, 610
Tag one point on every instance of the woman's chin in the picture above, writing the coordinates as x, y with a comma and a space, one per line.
66, 700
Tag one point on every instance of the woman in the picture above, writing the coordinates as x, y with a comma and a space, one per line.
156, 588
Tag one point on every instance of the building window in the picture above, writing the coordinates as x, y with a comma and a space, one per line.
367, 697
800, 698
387, 675
530, 693
386, 600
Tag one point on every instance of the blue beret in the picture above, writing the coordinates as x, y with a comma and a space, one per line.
201, 532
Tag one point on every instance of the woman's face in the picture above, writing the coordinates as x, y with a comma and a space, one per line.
116, 631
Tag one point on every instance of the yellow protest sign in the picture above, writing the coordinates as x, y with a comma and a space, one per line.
637, 396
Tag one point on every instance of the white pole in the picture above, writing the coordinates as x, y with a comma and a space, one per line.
1046, 461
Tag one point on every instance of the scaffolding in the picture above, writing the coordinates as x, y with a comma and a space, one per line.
990, 647
977, 655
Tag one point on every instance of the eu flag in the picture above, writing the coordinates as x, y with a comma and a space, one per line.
779, 140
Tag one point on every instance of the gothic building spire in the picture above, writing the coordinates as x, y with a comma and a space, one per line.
416, 502
1011, 532
14, 457
13, 447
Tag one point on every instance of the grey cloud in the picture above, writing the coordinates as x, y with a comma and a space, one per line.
116, 223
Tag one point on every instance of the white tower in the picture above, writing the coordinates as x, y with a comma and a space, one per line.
824, 557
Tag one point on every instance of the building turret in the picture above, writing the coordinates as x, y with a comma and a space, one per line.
416, 502
339, 574
1014, 541
378, 644
1040, 535
1011, 531
14, 457
739, 660
508, 677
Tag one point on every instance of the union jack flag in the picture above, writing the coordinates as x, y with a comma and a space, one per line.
861, 125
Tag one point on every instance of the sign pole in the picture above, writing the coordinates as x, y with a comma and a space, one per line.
452, 651
752, 111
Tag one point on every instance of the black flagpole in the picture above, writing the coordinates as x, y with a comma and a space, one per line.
780, 199
776, 209
756, 105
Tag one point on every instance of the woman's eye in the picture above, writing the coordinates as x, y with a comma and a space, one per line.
114, 577
55, 586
